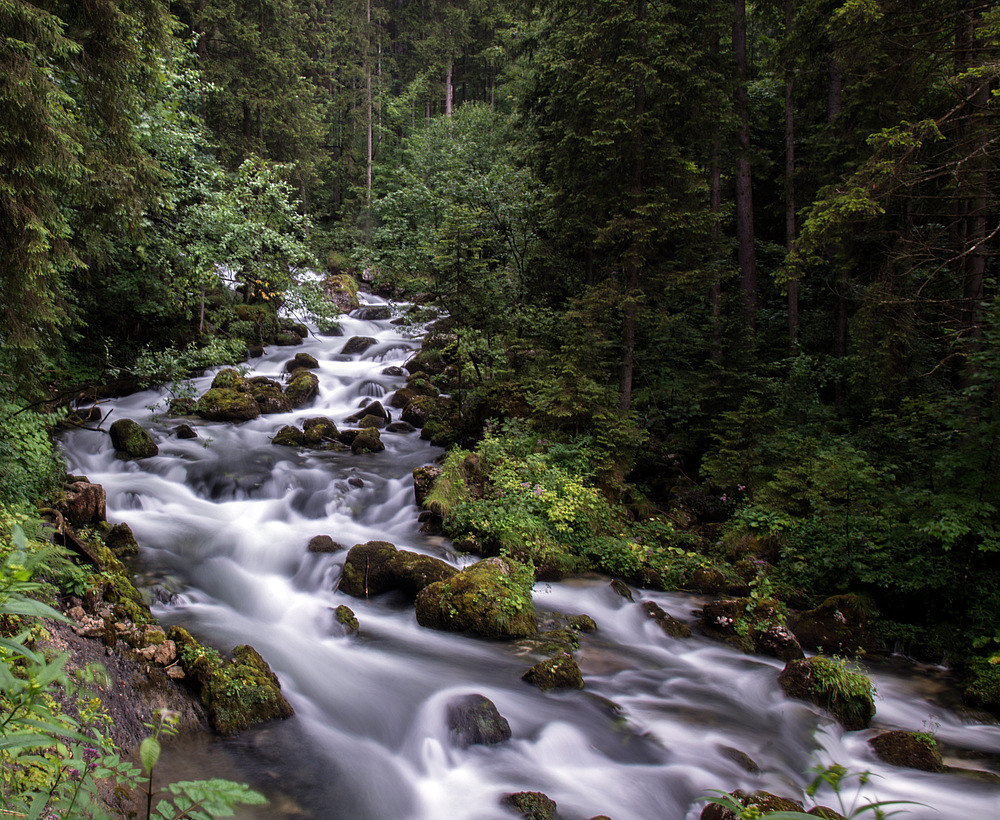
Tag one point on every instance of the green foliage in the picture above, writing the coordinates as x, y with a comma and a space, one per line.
837, 680
29, 463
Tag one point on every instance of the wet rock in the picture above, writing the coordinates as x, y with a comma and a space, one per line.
763, 801
302, 360
287, 338
621, 588
372, 313
244, 693
532, 805
230, 379
185, 431
269, 395
345, 616
365, 569
667, 622
289, 436
419, 410
400, 427
423, 482
131, 440
85, 503
394, 371
367, 441
427, 360
121, 541
491, 598
303, 387
475, 720
410, 572
357, 344
319, 429
227, 404
838, 626
374, 409
342, 290
559, 672
844, 693
582, 623
324, 543
910, 749
356, 482
755, 626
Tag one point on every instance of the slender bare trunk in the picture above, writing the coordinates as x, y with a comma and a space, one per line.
793, 281
746, 256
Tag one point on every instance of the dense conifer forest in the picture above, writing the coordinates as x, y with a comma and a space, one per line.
718, 277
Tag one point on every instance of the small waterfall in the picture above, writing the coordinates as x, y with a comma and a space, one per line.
224, 522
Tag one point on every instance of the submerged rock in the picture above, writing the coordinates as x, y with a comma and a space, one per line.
345, 616
475, 720
491, 598
131, 440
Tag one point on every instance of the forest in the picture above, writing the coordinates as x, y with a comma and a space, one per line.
720, 276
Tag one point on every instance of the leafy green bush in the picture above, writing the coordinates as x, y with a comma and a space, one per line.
28, 462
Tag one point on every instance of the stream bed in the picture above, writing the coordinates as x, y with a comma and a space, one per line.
224, 521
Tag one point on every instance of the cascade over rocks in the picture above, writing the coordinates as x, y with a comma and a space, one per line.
131, 441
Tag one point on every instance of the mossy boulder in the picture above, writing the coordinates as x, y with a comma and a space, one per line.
357, 345
372, 313
982, 684
840, 625
303, 387
532, 805
667, 622
346, 617
428, 360
324, 543
474, 720
269, 395
412, 571
244, 693
374, 408
755, 626
559, 672
287, 338
230, 379
319, 429
289, 436
365, 569
302, 360
911, 749
829, 683
492, 598
227, 404
131, 441
764, 802
420, 409
121, 541
417, 385
342, 290
367, 441
423, 482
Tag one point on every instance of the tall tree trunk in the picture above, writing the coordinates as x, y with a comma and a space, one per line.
370, 104
449, 88
633, 257
745, 254
715, 206
834, 103
793, 280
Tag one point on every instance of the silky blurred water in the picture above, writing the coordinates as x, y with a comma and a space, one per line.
223, 522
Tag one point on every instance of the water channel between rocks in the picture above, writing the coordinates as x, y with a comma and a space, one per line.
225, 519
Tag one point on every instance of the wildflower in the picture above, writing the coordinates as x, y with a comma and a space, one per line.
538, 489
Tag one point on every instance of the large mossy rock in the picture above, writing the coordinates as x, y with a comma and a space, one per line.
85, 503
837, 626
131, 440
751, 626
227, 404
368, 440
289, 436
419, 409
365, 570
916, 751
377, 567
357, 345
342, 290
268, 395
320, 429
374, 408
492, 598
830, 684
474, 720
244, 693
303, 387
301, 360
230, 379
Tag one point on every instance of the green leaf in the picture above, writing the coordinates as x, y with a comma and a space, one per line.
149, 753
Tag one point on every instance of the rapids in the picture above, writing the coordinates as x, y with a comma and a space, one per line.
223, 522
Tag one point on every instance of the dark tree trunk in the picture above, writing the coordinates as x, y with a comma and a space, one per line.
746, 256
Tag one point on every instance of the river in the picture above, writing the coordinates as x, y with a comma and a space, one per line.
224, 521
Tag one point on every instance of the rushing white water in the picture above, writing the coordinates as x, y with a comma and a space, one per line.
224, 520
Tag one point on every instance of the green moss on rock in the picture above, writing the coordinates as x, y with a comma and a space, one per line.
559, 672
532, 805
367, 441
244, 693
911, 749
131, 440
227, 404
491, 598
832, 685
303, 387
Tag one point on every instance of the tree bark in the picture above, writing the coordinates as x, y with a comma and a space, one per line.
746, 256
